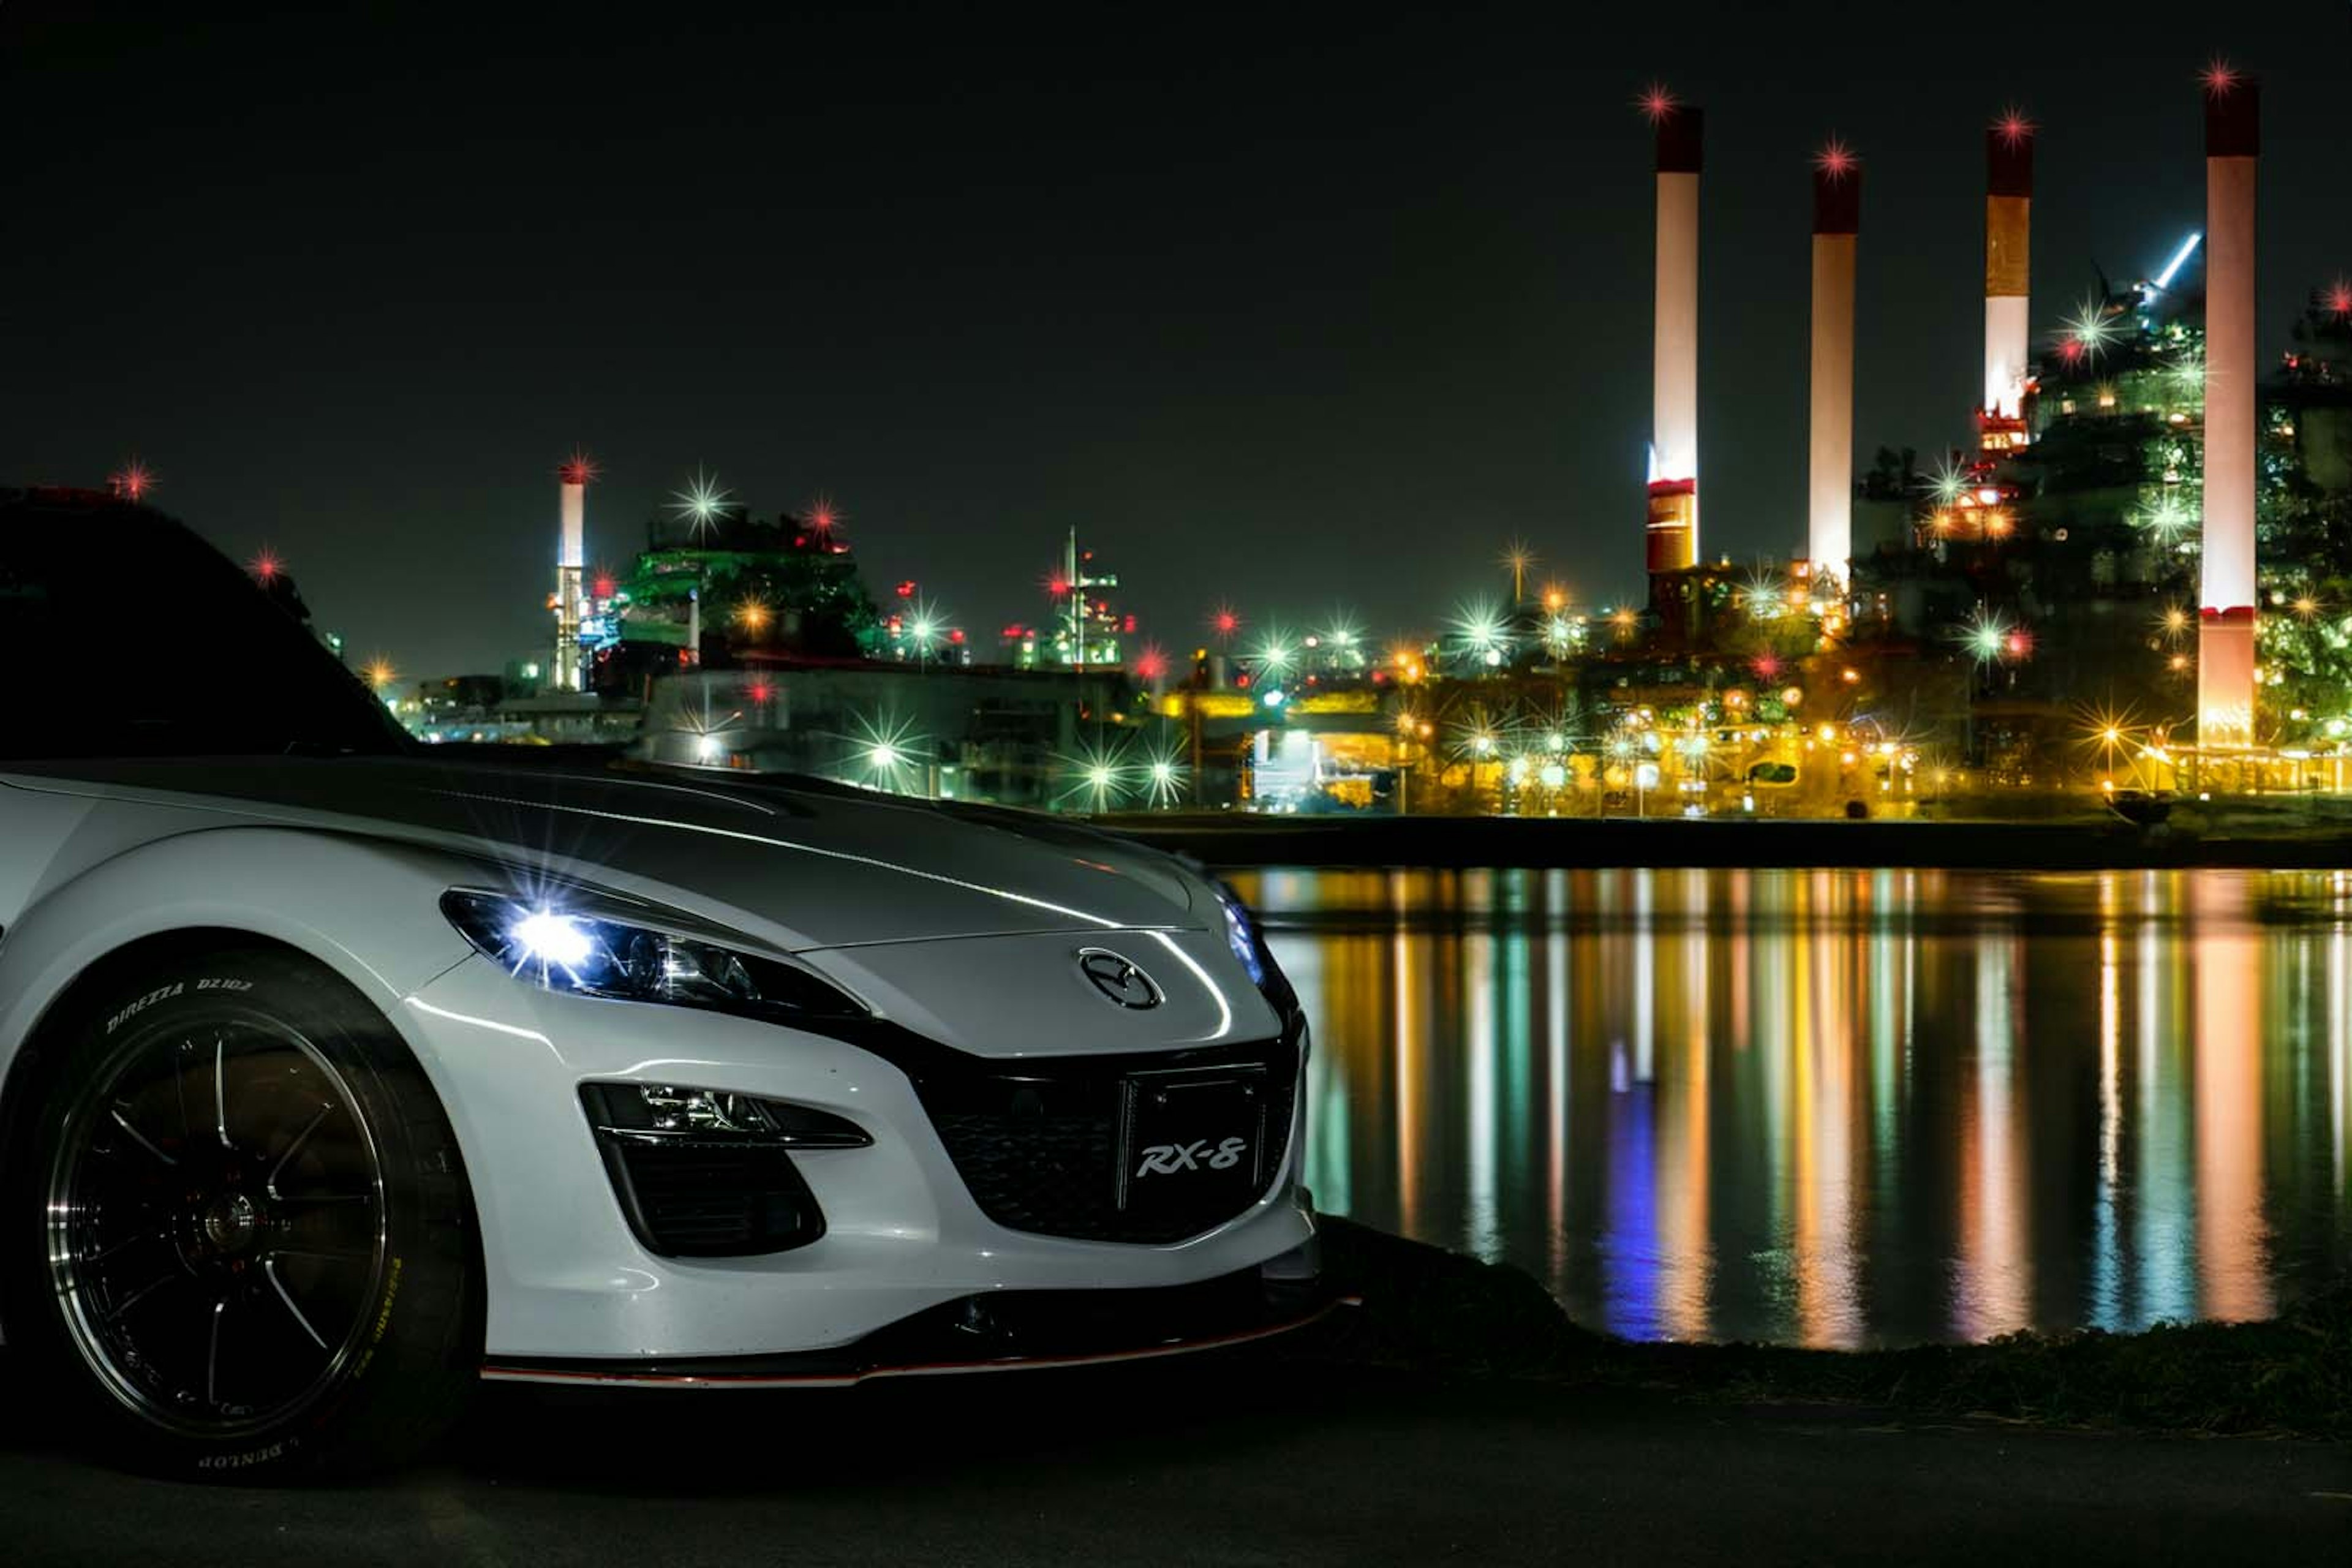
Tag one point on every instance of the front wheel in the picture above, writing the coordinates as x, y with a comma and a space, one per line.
240, 1241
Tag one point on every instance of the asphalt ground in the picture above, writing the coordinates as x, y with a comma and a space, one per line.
1239, 1460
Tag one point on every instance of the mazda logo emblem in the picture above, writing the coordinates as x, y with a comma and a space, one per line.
1119, 982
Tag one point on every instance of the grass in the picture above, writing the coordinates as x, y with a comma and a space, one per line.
1435, 1311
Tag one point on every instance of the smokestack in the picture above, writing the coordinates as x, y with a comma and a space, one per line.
2225, 627
2009, 233
1673, 406
1837, 222
570, 556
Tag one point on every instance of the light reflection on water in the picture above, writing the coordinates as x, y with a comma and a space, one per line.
1839, 1107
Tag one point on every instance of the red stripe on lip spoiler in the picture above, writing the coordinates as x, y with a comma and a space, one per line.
494, 1372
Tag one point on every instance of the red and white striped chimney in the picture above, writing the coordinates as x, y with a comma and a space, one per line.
2225, 623
1837, 224
1673, 530
2009, 236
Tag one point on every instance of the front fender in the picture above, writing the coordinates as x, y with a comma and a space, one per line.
367, 911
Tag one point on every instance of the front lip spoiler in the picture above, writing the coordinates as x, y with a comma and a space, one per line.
834, 1369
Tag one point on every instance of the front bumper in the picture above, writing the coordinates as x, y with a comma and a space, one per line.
1001, 1331
567, 1281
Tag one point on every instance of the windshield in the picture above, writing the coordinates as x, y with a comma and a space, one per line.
836, 724
123, 634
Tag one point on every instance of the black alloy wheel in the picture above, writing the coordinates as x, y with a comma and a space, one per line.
250, 1241
216, 1225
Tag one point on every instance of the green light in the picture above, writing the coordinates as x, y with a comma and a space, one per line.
886, 751
2091, 326
1166, 775
1098, 776
1480, 628
1986, 636
1948, 480
701, 502
1275, 655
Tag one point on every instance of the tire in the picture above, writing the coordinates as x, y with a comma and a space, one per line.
237, 1240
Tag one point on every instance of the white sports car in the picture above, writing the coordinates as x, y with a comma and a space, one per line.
341, 1072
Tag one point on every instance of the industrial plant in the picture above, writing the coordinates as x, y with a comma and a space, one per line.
2130, 589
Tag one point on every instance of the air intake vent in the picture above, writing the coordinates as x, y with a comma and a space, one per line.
706, 1174
703, 1200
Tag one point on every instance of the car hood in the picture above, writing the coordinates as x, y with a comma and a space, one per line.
805, 867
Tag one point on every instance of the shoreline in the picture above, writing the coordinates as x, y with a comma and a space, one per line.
2226, 840
1428, 1309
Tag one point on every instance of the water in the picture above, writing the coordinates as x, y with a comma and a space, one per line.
1840, 1107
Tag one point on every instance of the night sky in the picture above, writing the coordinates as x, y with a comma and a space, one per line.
1296, 308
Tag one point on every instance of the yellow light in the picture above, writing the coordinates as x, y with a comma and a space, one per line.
1849, 675
1828, 733
1793, 695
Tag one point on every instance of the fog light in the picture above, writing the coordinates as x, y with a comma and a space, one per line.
650, 1112
705, 1174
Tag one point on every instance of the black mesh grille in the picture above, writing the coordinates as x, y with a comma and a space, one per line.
1038, 1145
707, 1200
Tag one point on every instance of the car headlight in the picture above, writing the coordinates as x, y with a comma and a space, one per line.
591, 952
1241, 934
1248, 942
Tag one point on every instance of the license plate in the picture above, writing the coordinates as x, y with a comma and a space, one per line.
1191, 1140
